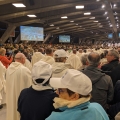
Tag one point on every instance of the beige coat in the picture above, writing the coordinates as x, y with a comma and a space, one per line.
2, 84
18, 77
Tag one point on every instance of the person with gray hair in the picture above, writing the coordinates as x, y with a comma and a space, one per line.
102, 86
18, 77
84, 60
110, 68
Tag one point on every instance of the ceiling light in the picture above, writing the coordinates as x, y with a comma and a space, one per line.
95, 21
31, 15
76, 24
97, 0
71, 21
103, 6
106, 13
88, 13
116, 18
52, 25
80, 26
110, 25
99, 23
64, 17
18, 4
100, 26
107, 17
92, 18
115, 5
80, 7
115, 13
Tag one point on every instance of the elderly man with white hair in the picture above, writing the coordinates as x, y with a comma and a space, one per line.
18, 77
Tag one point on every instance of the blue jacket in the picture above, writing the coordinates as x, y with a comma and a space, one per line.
86, 111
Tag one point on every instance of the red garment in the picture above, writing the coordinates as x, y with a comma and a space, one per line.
5, 61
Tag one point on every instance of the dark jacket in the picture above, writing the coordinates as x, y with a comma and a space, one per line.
35, 105
102, 87
115, 108
110, 69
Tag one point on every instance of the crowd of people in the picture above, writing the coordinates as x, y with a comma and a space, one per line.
51, 82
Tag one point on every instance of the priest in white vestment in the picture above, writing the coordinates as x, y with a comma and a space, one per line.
49, 56
2, 85
18, 77
28, 64
74, 60
36, 57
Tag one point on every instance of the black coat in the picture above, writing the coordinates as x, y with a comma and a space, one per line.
115, 108
112, 69
35, 105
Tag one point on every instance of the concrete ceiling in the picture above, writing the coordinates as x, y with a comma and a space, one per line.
50, 12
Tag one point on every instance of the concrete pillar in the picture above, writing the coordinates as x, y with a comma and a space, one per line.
17, 40
47, 37
7, 33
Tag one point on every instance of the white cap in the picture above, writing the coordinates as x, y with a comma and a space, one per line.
75, 81
60, 53
41, 70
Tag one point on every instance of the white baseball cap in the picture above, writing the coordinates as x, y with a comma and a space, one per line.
41, 70
60, 53
74, 80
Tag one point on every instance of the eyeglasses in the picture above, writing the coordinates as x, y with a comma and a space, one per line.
60, 90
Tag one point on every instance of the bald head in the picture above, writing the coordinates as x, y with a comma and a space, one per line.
20, 57
94, 59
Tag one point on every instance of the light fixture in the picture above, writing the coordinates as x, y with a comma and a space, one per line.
110, 25
80, 26
18, 4
92, 18
107, 18
64, 17
106, 13
97, 0
31, 15
71, 21
87, 13
103, 6
99, 23
80, 7
115, 5
100, 26
95, 21
52, 25
115, 13
76, 24
116, 18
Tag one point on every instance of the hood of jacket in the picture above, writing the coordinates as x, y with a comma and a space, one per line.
58, 67
14, 66
94, 73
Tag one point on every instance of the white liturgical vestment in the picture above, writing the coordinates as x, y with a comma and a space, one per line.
2, 84
18, 77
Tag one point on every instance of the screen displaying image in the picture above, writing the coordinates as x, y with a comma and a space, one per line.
119, 35
64, 38
110, 35
31, 33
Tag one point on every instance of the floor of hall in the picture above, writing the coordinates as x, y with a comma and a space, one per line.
3, 113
